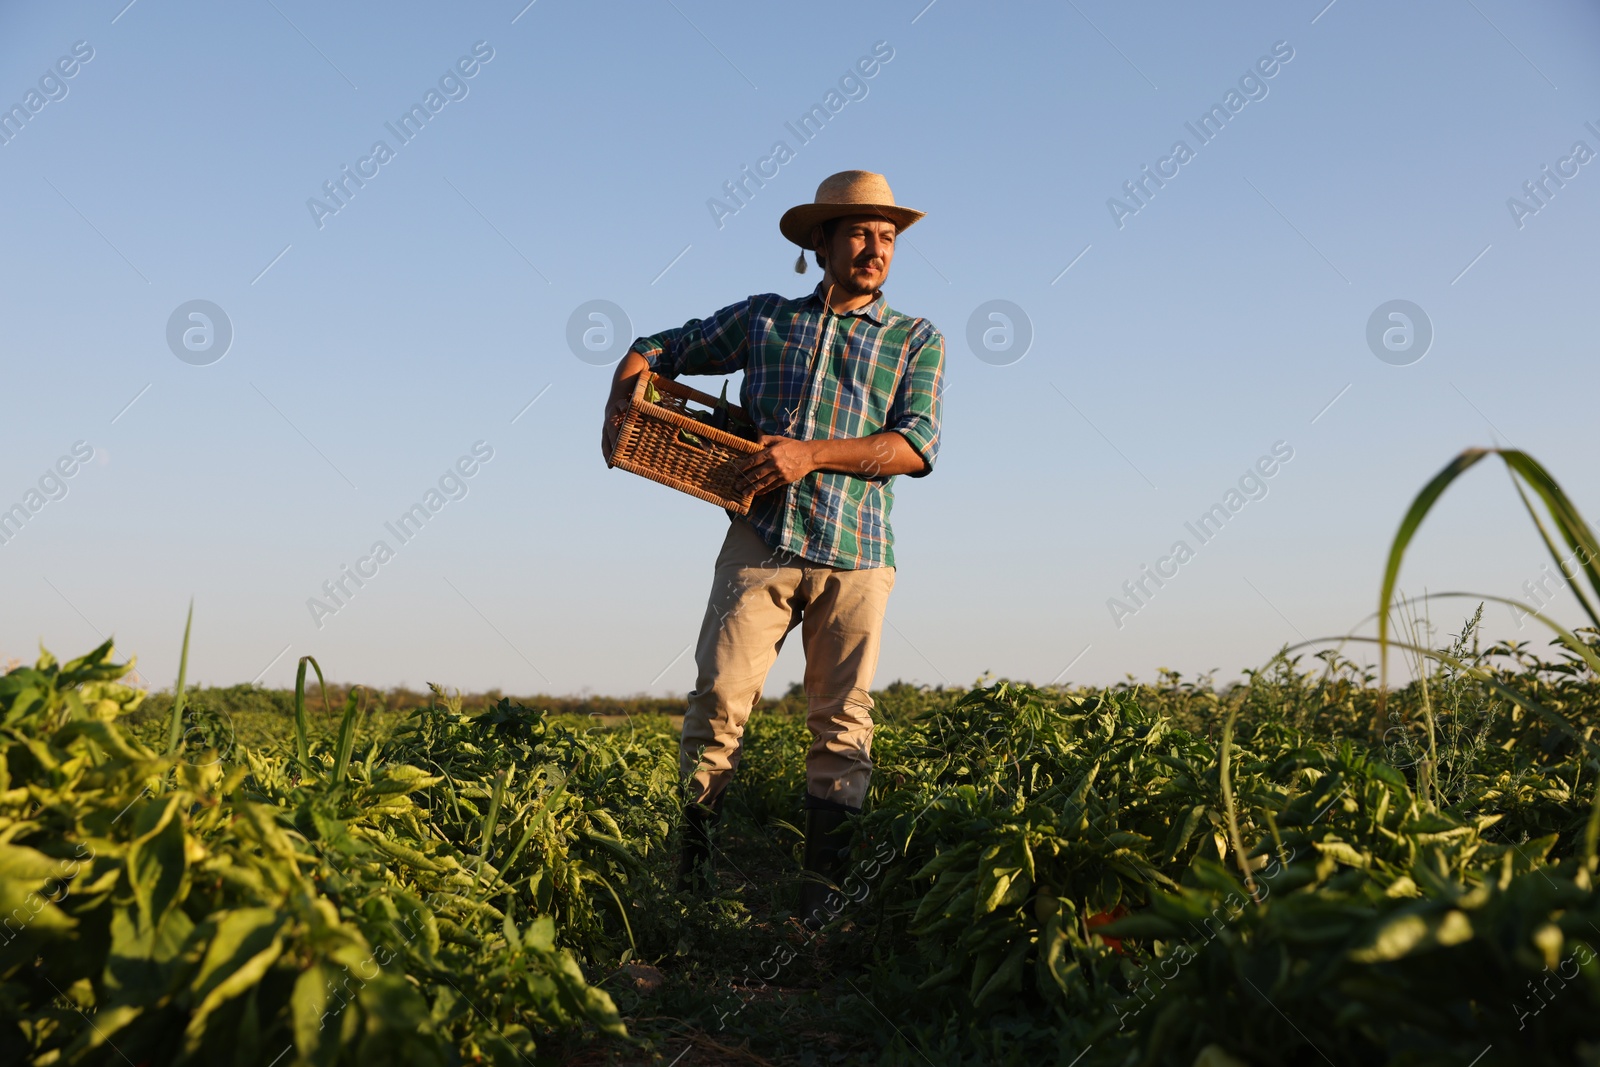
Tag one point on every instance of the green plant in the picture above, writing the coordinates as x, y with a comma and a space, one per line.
346, 905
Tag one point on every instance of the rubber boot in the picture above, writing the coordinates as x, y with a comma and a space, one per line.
827, 848
695, 870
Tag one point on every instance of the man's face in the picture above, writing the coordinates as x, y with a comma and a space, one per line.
859, 255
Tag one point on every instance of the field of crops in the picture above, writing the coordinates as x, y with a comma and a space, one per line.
1290, 871
1308, 867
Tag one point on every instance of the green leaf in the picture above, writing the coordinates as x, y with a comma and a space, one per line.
31, 912
1389, 776
992, 890
405, 854
943, 859
241, 935
392, 1004
1411, 931
1181, 833
1008, 976
23, 692
541, 934
138, 966
109, 1021
1396, 937
1080, 792
985, 963
419, 918
1055, 954
1183, 906
107, 736
1344, 853
242, 979
941, 976
950, 883
403, 779
1139, 926
23, 864
157, 864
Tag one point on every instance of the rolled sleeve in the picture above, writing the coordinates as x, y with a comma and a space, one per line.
717, 344
918, 403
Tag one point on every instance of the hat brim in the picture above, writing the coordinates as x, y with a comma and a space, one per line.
797, 221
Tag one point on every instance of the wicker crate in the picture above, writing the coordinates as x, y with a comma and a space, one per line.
651, 442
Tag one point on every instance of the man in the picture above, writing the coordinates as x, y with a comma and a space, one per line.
846, 393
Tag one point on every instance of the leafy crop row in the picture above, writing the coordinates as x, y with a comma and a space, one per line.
419, 902
1072, 873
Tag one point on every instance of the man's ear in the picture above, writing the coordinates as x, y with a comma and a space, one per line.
818, 248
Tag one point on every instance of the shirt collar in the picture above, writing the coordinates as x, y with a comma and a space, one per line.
877, 311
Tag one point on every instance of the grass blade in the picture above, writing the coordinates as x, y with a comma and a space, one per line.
627, 927
1564, 515
354, 703
1591, 832
492, 817
1227, 803
302, 726
175, 728
1402, 539
1568, 522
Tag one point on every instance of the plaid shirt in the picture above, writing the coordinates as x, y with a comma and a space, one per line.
881, 371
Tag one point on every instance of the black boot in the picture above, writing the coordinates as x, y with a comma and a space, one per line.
695, 872
827, 848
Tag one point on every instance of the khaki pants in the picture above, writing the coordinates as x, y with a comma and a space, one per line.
758, 596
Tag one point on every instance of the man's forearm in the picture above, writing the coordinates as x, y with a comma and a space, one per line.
631, 366
878, 455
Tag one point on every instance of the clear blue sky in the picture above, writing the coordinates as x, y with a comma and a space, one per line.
371, 351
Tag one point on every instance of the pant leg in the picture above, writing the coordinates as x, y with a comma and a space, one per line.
842, 631
752, 606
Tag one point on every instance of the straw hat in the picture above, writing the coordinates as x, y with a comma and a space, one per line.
850, 192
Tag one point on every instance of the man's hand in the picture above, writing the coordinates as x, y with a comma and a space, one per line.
784, 460
622, 384
781, 460
615, 407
